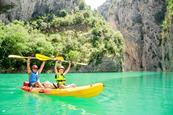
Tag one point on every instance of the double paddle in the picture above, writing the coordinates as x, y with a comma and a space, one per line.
44, 58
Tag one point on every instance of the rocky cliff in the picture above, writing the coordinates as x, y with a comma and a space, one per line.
140, 23
167, 39
27, 9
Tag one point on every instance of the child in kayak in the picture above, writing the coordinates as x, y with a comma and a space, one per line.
34, 74
60, 78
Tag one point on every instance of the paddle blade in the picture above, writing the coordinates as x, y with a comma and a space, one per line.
15, 56
59, 58
42, 57
81, 63
75, 63
20, 57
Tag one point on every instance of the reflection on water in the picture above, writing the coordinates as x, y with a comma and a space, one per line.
63, 105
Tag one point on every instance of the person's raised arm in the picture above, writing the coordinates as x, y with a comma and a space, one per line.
67, 70
41, 67
28, 66
55, 67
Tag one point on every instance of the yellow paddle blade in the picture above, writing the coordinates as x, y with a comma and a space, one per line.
59, 58
42, 57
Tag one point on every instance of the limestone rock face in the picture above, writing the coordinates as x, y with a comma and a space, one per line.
27, 9
139, 21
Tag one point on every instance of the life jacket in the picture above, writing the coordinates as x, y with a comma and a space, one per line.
60, 79
33, 77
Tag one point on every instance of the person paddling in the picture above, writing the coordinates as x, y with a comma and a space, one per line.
60, 76
34, 74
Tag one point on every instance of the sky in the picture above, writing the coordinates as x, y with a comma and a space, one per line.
94, 3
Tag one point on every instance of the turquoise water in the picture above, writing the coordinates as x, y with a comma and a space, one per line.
131, 93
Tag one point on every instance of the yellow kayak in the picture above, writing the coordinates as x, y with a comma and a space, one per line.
86, 91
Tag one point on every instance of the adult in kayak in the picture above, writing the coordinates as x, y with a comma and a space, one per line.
60, 76
34, 74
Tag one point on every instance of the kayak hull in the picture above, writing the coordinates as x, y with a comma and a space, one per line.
86, 91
